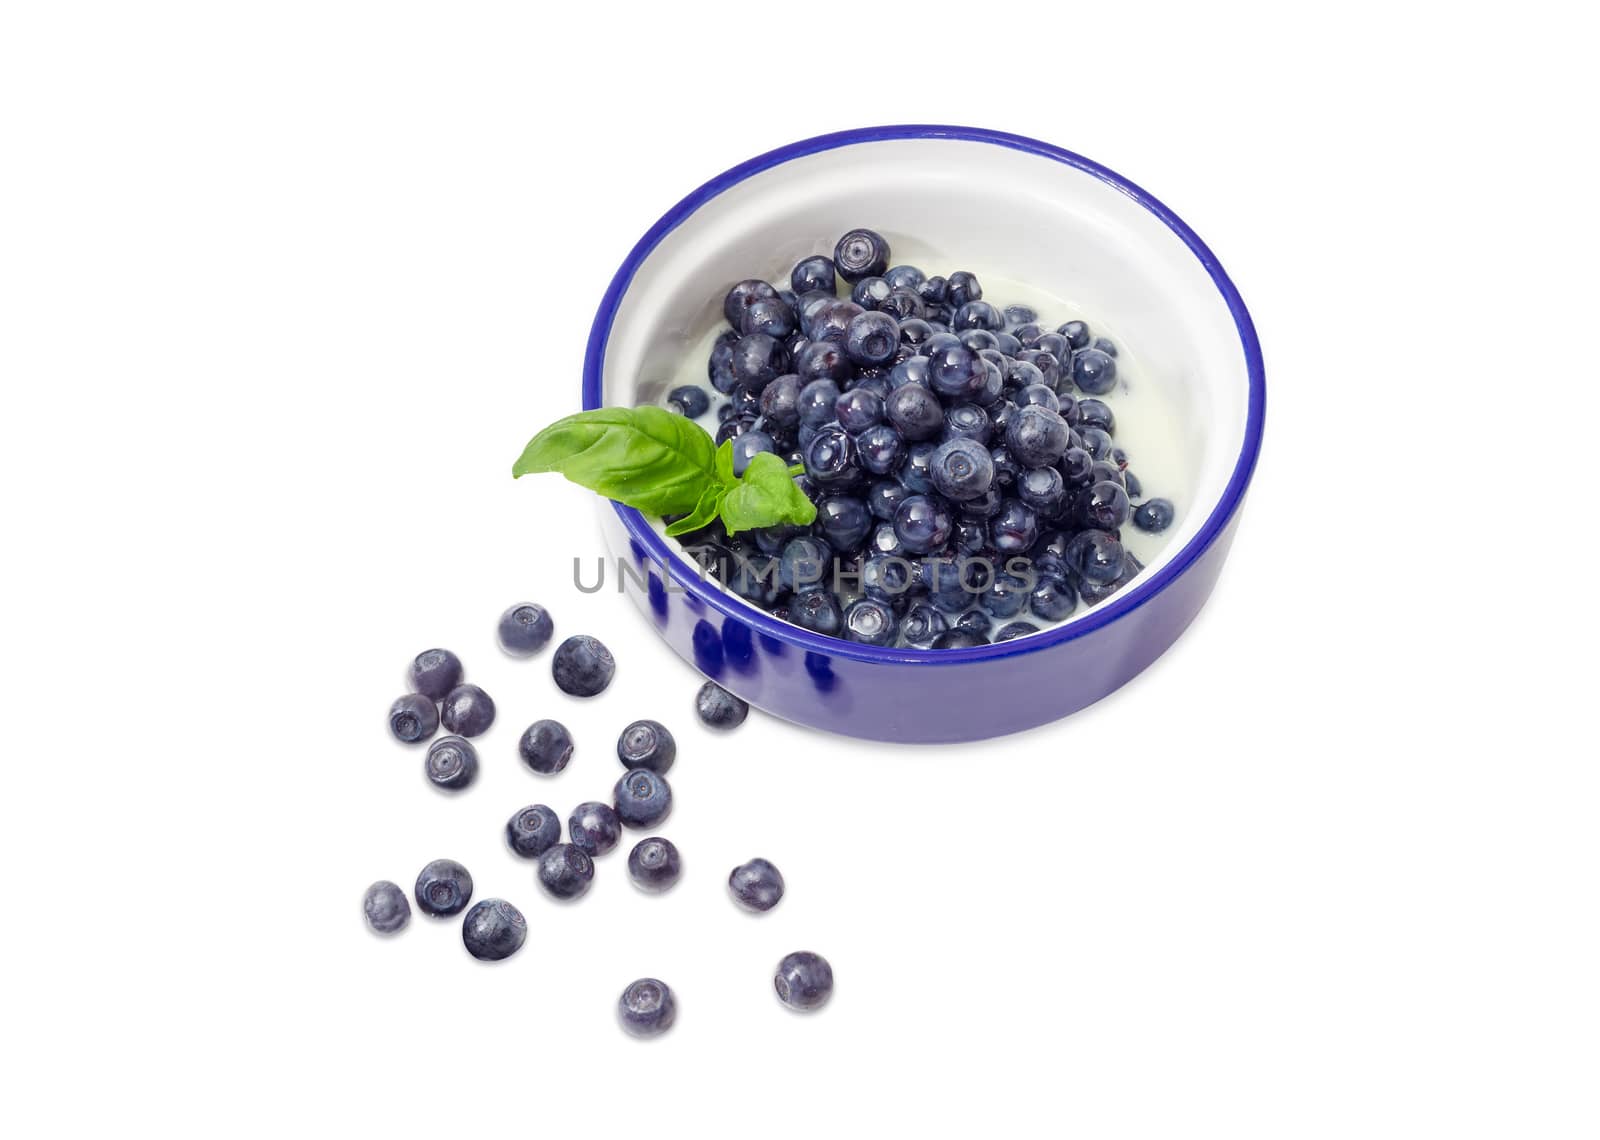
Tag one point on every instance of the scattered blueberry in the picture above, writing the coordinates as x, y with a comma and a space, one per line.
861, 253
546, 746
643, 799
443, 888
533, 831
493, 930
452, 763
647, 744
466, 711
413, 717
594, 828
525, 628
647, 1008
435, 672
803, 980
756, 885
718, 708
689, 400
654, 864
565, 872
582, 666
386, 907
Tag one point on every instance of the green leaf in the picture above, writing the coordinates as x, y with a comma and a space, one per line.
704, 512
647, 458
765, 496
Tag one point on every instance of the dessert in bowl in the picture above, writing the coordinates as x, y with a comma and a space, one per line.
1041, 227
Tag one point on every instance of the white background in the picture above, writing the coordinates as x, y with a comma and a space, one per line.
283, 289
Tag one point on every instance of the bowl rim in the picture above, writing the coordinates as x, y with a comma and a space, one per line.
687, 575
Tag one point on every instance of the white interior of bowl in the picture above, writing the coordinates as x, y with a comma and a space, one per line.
961, 204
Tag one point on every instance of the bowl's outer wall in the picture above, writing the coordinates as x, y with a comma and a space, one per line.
916, 703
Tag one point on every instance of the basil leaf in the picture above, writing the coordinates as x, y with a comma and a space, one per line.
703, 514
647, 458
766, 495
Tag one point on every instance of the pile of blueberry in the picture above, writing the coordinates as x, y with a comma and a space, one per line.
493, 929
964, 468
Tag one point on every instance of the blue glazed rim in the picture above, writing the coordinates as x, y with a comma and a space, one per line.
644, 535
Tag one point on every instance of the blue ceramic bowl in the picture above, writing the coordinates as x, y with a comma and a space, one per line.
946, 197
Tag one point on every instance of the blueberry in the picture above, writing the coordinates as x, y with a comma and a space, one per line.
844, 521
718, 708
1026, 335
1104, 506
959, 639
880, 449
1076, 334
871, 339
758, 359
979, 340
546, 746
1013, 630
1096, 556
582, 666
870, 622
719, 367
647, 1008
832, 322
963, 287
1047, 364
565, 872
1077, 467
1104, 471
771, 317
905, 277
813, 274
804, 563
755, 579
533, 831
914, 333
870, 292
979, 315
434, 672
647, 744
915, 412
960, 468
386, 907
756, 885
732, 429
934, 290
1094, 371
861, 253
413, 717
493, 930
1135, 489
1036, 437
1043, 489
858, 409
922, 524
818, 611
443, 888
1020, 315
903, 305
816, 402
452, 763
975, 622
967, 421
743, 295
689, 400
643, 797
1096, 442
884, 496
1039, 396
1154, 516
822, 360
525, 628
1006, 596
1052, 599
466, 711
803, 981
1056, 345
985, 506
956, 372
883, 540
1104, 345
971, 536
1014, 528
921, 625
780, 403
594, 827
830, 457
653, 864
748, 446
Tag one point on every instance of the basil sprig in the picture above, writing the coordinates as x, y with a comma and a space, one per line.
665, 464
